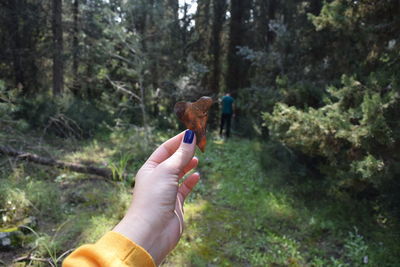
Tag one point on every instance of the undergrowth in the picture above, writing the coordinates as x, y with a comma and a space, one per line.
240, 214
243, 215
68, 209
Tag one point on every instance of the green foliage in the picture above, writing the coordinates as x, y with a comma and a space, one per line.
44, 197
92, 210
368, 167
8, 104
334, 14
355, 253
263, 219
37, 112
88, 116
250, 101
70, 209
20, 200
356, 249
65, 117
135, 59
282, 161
14, 204
45, 246
350, 134
351, 131
267, 220
132, 145
118, 169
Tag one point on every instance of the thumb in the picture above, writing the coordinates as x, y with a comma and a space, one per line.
182, 156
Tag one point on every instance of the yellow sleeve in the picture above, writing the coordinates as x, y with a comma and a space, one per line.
111, 250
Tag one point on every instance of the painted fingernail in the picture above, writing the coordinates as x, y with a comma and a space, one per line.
188, 138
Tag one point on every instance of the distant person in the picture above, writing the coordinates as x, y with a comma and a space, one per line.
227, 112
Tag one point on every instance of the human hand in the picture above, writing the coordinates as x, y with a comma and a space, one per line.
155, 218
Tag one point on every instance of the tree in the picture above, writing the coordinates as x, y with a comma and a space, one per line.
264, 12
352, 135
236, 76
58, 63
22, 31
75, 48
202, 26
219, 11
17, 57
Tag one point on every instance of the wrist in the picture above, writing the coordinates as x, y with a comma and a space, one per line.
141, 233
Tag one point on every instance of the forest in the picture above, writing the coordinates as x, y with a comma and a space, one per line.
308, 177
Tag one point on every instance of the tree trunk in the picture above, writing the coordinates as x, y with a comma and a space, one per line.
16, 51
261, 24
184, 32
265, 12
173, 9
271, 16
22, 30
202, 19
75, 49
219, 9
58, 68
236, 73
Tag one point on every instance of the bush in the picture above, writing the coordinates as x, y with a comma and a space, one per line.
87, 115
353, 132
280, 158
65, 117
14, 205
8, 105
37, 112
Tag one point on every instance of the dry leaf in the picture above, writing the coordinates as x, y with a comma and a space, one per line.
194, 116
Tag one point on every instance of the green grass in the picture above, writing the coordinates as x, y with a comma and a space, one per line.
239, 215
71, 208
242, 215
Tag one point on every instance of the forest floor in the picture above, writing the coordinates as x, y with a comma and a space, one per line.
239, 214
244, 215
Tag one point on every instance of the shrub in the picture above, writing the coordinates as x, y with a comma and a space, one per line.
354, 132
14, 204
65, 117
87, 115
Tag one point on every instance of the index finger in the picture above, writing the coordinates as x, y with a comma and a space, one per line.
164, 151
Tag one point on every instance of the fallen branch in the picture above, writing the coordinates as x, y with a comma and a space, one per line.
29, 257
76, 167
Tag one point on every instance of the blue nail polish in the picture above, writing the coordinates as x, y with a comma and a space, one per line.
189, 135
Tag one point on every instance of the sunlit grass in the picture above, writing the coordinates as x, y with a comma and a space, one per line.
238, 215
227, 220
93, 152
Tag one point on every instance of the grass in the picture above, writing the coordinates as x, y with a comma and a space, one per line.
240, 214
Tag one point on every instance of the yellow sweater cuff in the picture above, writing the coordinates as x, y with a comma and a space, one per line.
126, 250
112, 250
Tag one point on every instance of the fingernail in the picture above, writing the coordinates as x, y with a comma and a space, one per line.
189, 135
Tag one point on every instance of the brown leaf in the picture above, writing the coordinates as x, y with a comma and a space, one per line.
194, 116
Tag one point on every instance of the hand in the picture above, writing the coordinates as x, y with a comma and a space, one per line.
155, 218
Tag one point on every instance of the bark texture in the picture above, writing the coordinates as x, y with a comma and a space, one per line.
58, 66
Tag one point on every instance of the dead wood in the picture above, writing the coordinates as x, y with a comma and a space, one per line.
76, 167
